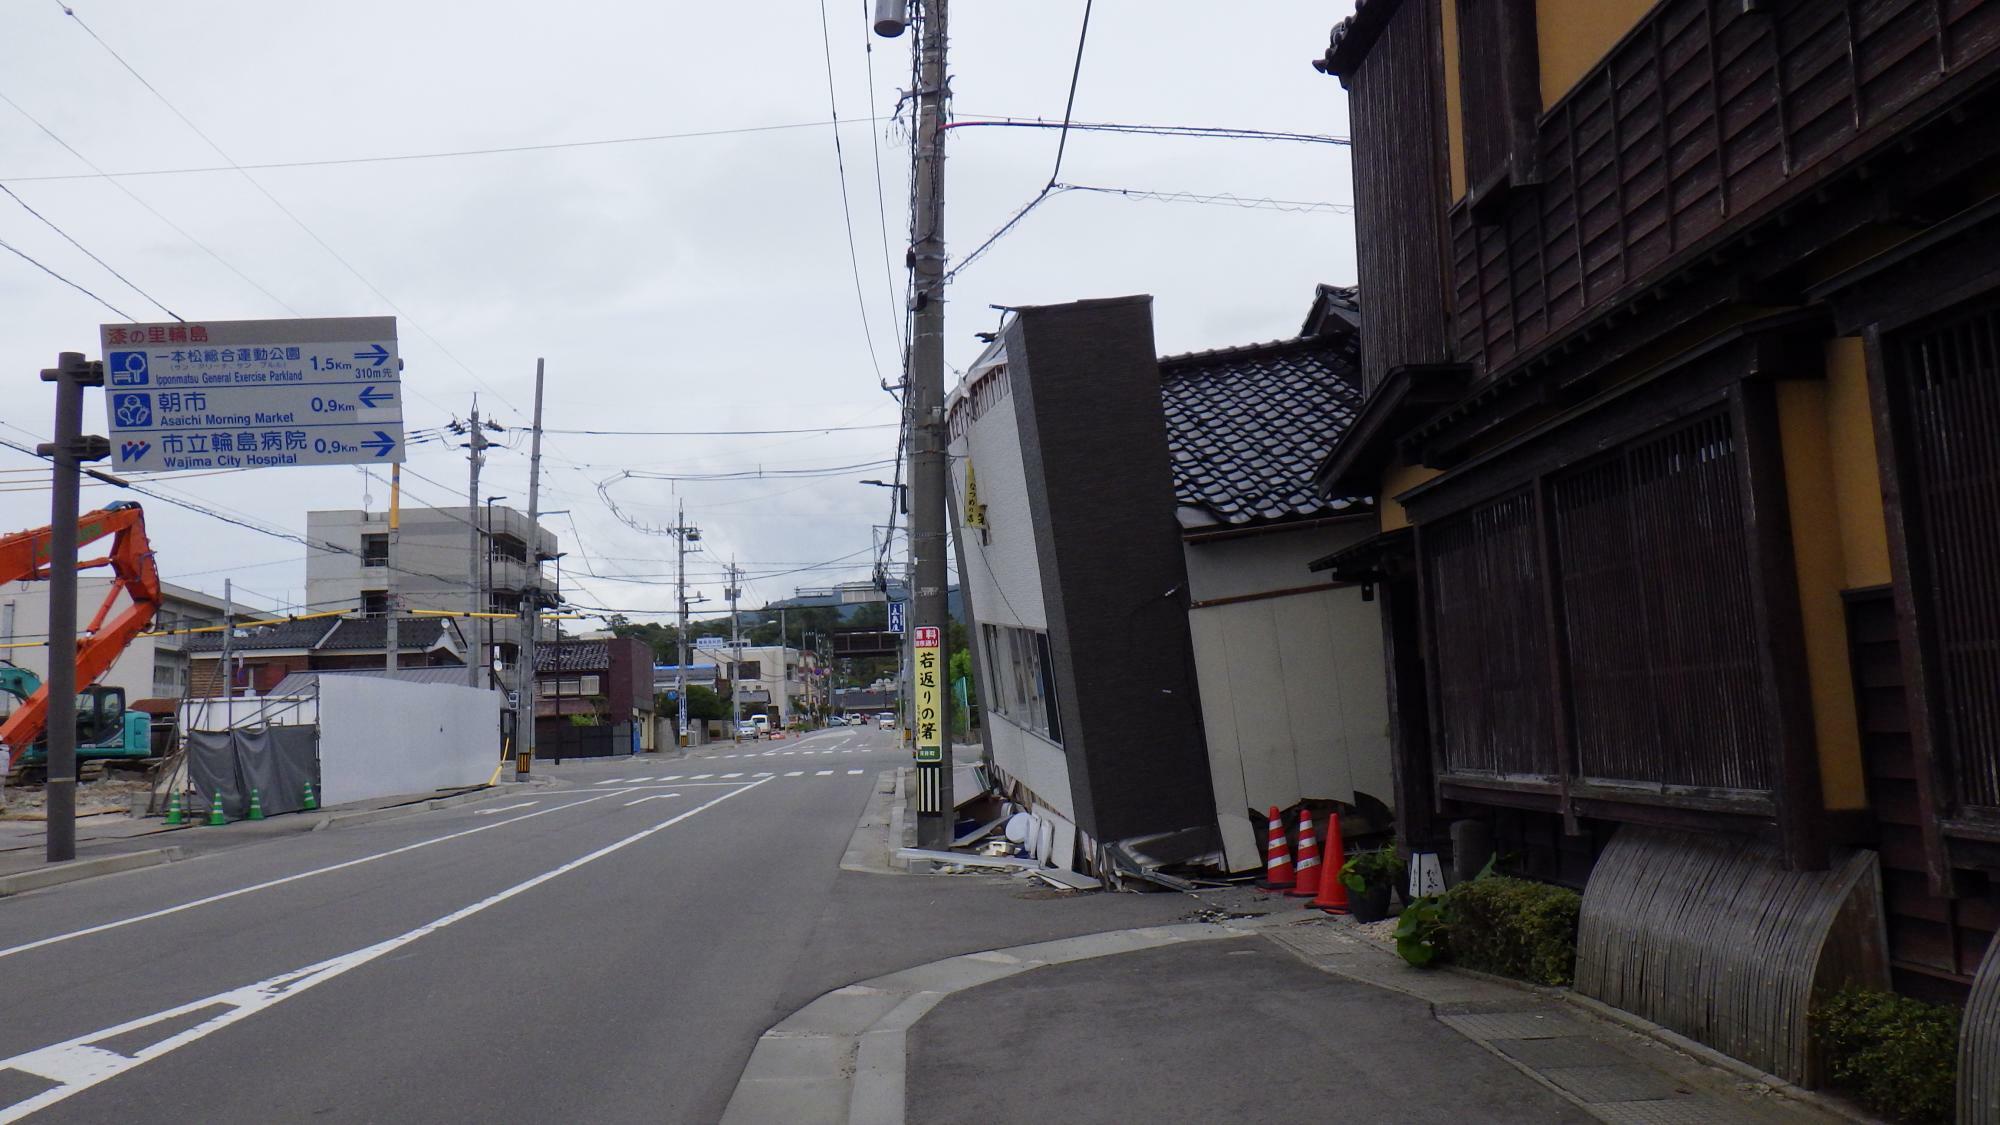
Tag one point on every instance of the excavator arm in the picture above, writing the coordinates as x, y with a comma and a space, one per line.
25, 555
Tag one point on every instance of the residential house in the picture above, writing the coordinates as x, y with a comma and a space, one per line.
768, 679
1680, 385
264, 655
594, 698
1133, 532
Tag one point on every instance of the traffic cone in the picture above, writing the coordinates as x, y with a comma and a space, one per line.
175, 814
1332, 892
1309, 871
312, 802
256, 806
1277, 856
215, 817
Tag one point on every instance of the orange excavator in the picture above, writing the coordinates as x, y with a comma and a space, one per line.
105, 729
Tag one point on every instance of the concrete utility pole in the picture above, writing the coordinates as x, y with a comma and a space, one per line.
390, 606
925, 407
69, 450
228, 663
682, 533
472, 584
735, 644
531, 603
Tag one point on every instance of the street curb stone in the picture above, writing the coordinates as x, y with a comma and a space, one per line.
844, 1058
75, 869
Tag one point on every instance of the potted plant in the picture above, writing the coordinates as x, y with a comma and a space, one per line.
1368, 877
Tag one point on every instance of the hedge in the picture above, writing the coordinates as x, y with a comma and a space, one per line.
1513, 928
1896, 1055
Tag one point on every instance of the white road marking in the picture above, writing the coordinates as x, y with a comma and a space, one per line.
78, 1064
654, 797
851, 773
763, 775
505, 808
795, 773
700, 776
269, 883
727, 776
672, 777
824, 773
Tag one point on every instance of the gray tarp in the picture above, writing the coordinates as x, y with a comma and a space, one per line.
275, 761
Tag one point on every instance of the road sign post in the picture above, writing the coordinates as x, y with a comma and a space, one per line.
236, 394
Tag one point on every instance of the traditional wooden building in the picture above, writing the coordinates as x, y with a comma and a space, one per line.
1682, 372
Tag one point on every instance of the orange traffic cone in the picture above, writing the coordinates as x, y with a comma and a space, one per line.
1277, 856
1309, 871
1332, 892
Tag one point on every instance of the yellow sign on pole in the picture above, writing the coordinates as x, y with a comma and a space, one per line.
975, 512
928, 715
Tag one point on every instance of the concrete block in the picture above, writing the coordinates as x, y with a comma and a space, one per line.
59, 873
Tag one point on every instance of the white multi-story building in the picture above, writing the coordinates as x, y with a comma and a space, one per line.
768, 679
152, 666
435, 549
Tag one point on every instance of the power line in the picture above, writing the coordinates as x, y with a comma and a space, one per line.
1225, 199
129, 283
722, 433
99, 173
846, 211
1215, 132
23, 255
881, 204
275, 202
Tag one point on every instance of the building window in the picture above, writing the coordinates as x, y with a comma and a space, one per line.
571, 685
374, 603
375, 549
1019, 663
1944, 386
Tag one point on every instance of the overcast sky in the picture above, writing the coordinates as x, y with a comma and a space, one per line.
689, 284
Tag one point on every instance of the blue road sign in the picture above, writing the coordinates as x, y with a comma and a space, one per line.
253, 393
896, 616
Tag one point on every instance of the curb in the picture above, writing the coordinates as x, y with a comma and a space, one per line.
844, 1057
84, 869
867, 851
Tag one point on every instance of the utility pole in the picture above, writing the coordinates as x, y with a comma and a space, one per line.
531, 604
925, 406
682, 533
472, 584
735, 645
390, 604
69, 450
228, 661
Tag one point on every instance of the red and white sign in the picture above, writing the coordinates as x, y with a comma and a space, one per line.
927, 637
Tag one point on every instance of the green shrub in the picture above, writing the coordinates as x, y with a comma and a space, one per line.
1514, 928
1896, 1055
1379, 867
1420, 932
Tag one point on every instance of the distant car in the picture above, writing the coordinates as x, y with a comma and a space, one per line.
886, 720
746, 729
857, 720
763, 724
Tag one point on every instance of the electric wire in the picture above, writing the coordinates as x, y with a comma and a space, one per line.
881, 202
846, 210
23, 255
108, 267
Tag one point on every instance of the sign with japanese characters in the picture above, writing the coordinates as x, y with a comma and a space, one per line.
897, 616
240, 394
927, 712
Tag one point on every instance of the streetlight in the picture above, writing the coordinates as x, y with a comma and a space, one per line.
486, 602
902, 493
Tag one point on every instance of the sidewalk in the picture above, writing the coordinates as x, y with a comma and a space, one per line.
1245, 1018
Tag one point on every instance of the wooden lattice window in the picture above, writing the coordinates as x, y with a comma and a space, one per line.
1654, 570
1489, 651
1945, 382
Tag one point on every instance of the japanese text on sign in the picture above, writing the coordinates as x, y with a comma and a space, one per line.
928, 705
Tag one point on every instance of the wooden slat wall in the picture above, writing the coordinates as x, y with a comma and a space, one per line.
1399, 184
1654, 567
1489, 662
1709, 935
1700, 115
1934, 942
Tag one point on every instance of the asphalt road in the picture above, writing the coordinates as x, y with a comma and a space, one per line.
607, 950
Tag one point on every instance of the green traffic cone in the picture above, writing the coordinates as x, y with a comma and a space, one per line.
312, 802
215, 816
175, 815
256, 806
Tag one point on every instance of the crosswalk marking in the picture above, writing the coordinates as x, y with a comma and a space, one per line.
762, 775
851, 773
727, 776
795, 773
824, 773
654, 797
700, 776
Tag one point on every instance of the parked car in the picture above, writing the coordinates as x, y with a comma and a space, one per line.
886, 720
763, 723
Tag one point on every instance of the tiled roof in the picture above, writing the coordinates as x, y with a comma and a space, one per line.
1247, 426
283, 635
573, 656
413, 634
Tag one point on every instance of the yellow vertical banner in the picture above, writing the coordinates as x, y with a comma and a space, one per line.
928, 713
